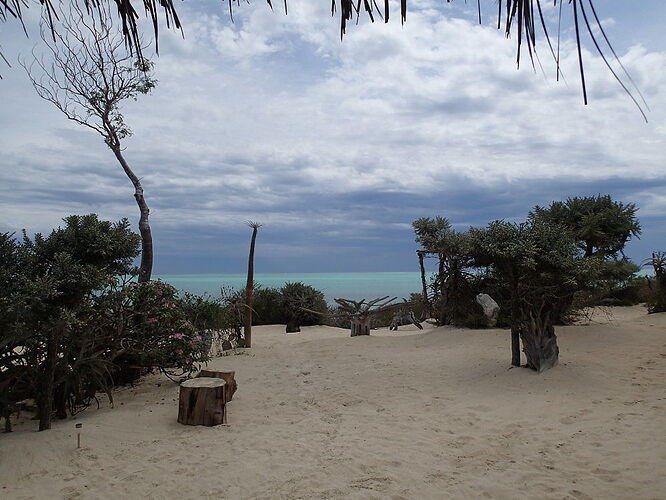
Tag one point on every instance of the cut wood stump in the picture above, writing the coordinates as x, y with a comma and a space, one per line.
202, 402
228, 377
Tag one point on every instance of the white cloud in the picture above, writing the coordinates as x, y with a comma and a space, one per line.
249, 118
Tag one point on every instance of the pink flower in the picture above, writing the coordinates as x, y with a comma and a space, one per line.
151, 320
177, 336
159, 292
179, 351
198, 337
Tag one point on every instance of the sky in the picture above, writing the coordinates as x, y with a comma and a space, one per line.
337, 146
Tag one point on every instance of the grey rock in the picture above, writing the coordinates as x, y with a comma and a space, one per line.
490, 308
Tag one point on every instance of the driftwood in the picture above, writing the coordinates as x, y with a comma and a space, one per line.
360, 313
228, 377
404, 317
539, 340
202, 402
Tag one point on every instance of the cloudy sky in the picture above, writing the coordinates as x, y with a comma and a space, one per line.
337, 146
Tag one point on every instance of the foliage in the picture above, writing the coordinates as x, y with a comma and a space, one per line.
657, 294
160, 334
453, 286
601, 226
541, 266
431, 233
267, 306
276, 306
72, 323
295, 296
53, 281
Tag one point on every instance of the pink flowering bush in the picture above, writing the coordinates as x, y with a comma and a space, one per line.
159, 333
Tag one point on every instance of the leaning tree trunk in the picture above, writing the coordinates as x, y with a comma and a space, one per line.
360, 326
539, 341
249, 288
146, 267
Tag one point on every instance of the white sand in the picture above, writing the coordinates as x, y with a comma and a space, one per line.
433, 414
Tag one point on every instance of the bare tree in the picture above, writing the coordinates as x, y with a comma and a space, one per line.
89, 73
249, 287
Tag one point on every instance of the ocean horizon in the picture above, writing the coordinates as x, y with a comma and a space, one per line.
348, 285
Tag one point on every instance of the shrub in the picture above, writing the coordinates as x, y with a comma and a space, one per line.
295, 296
46, 353
268, 307
160, 334
71, 325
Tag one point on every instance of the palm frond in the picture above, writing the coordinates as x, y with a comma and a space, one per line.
519, 18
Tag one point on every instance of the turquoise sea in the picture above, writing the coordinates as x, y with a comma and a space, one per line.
354, 286
346, 285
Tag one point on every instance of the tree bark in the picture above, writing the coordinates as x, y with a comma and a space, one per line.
293, 325
515, 325
228, 377
45, 407
202, 401
539, 341
146, 267
360, 326
424, 284
249, 289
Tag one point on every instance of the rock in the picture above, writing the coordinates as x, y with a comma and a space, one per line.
490, 308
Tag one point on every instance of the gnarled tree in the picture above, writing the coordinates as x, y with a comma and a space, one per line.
88, 74
541, 265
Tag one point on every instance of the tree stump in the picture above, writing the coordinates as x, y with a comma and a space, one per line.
293, 326
360, 326
202, 402
228, 377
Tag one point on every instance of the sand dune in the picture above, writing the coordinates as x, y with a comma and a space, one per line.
413, 415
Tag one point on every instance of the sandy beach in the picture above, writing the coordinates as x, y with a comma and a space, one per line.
397, 415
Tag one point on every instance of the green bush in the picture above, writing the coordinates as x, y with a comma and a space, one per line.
268, 307
295, 296
72, 324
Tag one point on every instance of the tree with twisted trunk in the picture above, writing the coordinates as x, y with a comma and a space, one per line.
88, 74
541, 265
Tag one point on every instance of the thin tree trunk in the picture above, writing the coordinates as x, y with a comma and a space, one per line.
45, 407
424, 285
146, 267
249, 288
515, 326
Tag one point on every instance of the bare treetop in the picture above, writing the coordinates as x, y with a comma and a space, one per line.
89, 71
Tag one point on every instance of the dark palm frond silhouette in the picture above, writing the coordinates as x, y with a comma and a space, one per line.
520, 17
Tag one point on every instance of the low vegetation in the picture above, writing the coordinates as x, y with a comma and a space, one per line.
74, 323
